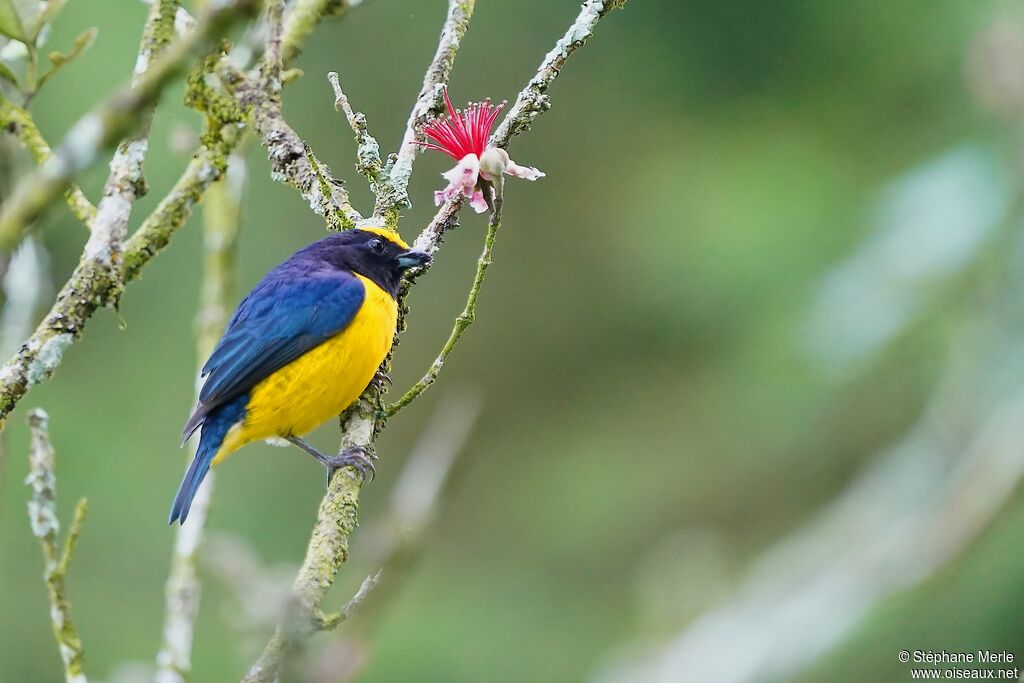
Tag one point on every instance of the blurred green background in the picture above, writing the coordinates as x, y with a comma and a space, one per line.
764, 231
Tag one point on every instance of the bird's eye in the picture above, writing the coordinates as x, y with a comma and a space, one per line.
377, 246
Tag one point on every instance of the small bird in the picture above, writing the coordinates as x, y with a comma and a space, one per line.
301, 347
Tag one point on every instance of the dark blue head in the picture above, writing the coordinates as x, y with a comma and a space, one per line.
375, 253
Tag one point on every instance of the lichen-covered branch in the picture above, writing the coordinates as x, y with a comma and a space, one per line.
336, 519
428, 105
462, 322
42, 513
19, 122
85, 290
367, 148
88, 286
182, 590
327, 551
125, 183
289, 161
113, 119
394, 541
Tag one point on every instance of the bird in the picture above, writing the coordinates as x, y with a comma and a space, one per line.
300, 348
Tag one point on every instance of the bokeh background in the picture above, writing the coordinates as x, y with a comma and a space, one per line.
750, 356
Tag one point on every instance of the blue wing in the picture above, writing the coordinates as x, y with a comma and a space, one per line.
286, 315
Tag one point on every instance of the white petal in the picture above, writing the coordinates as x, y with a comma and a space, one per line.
465, 172
527, 172
478, 202
461, 179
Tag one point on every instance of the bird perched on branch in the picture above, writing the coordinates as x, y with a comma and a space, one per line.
301, 347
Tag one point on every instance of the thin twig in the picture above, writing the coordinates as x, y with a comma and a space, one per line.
270, 69
42, 512
285, 149
327, 551
112, 120
220, 222
329, 622
367, 150
20, 122
428, 104
395, 540
462, 322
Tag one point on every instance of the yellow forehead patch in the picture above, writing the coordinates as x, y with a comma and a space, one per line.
387, 234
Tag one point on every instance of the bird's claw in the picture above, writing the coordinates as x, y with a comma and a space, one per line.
383, 377
359, 458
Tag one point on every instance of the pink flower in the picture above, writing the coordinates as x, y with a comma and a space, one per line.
463, 135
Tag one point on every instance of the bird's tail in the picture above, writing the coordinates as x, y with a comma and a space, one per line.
190, 483
216, 426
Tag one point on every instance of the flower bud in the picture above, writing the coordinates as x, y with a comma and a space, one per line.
493, 163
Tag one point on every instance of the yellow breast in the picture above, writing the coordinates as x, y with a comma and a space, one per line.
322, 383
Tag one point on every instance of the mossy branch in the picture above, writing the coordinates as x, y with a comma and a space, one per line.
462, 322
336, 519
90, 285
327, 551
20, 123
42, 512
367, 149
89, 288
289, 161
113, 119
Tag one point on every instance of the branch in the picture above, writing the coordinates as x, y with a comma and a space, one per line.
112, 120
428, 105
90, 285
367, 150
462, 322
220, 222
531, 102
327, 551
395, 540
336, 519
19, 121
286, 151
42, 512
125, 183
79, 298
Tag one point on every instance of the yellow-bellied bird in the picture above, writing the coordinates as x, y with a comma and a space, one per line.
300, 348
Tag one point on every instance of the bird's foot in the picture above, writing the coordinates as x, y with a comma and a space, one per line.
358, 457
383, 378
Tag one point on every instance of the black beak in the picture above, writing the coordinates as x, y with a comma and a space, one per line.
413, 259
